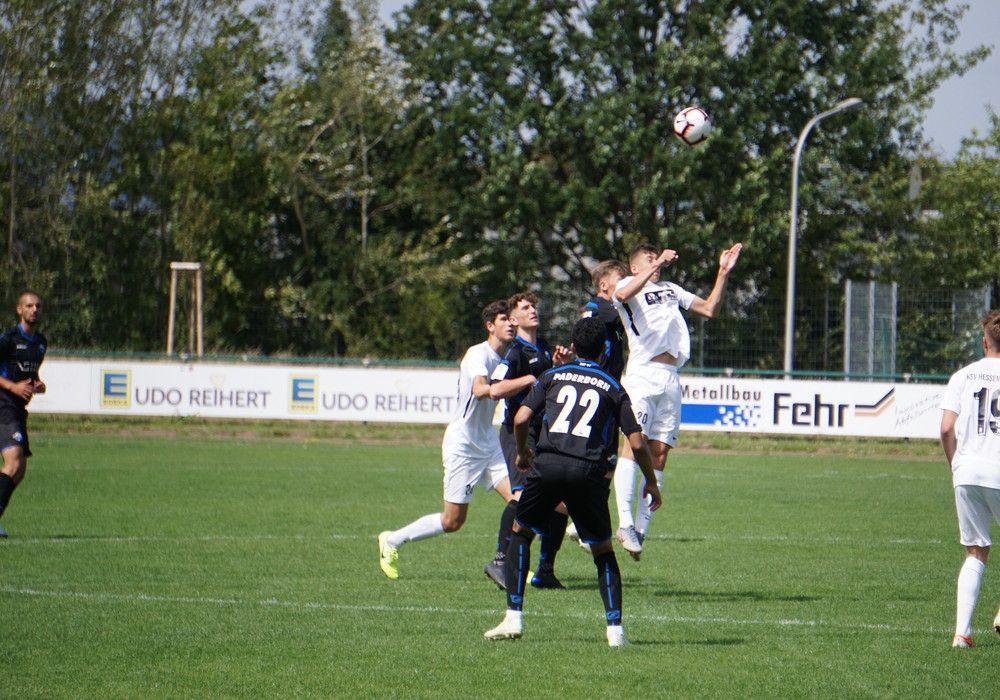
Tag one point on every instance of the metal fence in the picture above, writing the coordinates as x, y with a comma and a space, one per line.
859, 330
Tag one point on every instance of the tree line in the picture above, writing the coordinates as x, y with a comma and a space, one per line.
353, 190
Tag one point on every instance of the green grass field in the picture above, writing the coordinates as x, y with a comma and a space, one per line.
167, 564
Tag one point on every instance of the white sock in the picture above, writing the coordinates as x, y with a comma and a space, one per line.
643, 514
513, 616
419, 529
624, 490
969, 579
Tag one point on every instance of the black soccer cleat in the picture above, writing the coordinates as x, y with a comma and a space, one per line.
546, 578
495, 571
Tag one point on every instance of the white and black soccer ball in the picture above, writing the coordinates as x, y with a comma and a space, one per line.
692, 125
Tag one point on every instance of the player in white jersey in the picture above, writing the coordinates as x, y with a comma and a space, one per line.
970, 436
659, 344
470, 450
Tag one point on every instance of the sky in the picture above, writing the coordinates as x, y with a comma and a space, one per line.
960, 104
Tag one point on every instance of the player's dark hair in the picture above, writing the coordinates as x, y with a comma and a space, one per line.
494, 309
516, 299
642, 249
589, 337
605, 268
991, 329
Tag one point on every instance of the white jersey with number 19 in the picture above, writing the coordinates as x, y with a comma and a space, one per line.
470, 432
974, 394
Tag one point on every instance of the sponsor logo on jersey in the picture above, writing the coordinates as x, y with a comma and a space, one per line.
660, 296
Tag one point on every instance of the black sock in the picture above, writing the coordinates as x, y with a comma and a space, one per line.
506, 526
552, 540
609, 579
516, 568
7, 487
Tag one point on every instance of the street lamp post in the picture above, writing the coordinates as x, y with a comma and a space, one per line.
849, 103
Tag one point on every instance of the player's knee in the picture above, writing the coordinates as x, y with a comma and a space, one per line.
452, 524
601, 548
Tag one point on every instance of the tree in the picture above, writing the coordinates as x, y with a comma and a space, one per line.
363, 283
552, 124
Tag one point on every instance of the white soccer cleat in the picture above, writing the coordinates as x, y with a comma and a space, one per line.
629, 541
996, 623
508, 629
962, 642
616, 636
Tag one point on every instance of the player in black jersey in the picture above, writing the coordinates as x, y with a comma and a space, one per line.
525, 360
605, 277
584, 409
22, 350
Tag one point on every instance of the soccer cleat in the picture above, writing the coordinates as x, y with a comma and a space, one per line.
387, 556
616, 636
508, 629
962, 642
495, 571
996, 623
629, 541
3, 533
546, 578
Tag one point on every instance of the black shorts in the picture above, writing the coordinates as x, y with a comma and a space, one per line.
582, 486
14, 433
509, 446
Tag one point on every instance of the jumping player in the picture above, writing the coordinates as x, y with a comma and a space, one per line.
659, 344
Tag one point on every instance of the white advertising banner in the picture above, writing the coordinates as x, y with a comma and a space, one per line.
427, 395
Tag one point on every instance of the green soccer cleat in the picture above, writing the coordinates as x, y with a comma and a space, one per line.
387, 556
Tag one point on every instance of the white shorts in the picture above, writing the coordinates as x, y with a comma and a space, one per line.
978, 507
655, 391
461, 474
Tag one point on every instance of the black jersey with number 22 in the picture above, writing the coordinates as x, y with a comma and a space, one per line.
584, 410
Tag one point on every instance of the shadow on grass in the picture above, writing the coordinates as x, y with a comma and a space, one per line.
731, 596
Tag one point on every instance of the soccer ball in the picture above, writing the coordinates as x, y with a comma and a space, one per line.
692, 125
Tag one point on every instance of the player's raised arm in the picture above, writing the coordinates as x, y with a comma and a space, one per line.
709, 308
644, 267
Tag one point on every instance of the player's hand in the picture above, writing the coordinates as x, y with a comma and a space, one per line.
38, 387
23, 389
523, 461
562, 355
652, 492
666, 257
727, 261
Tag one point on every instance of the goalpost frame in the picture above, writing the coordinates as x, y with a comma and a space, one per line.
196, 320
